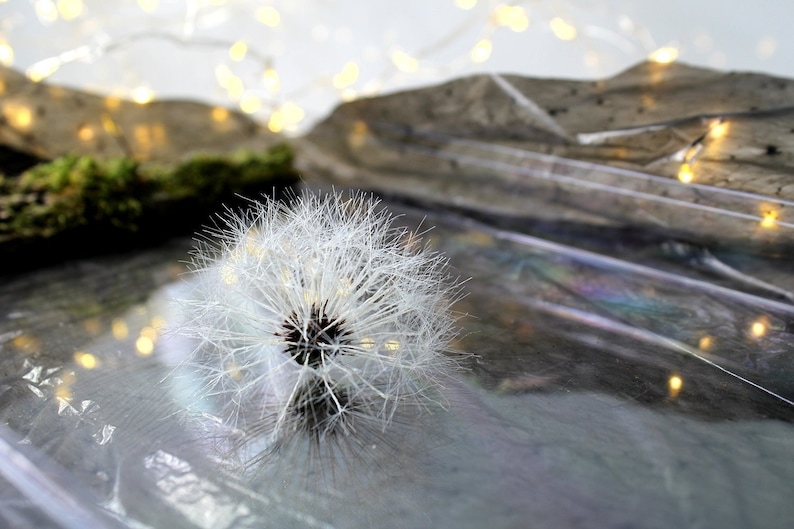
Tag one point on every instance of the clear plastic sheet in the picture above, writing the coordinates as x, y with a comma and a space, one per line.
602, 389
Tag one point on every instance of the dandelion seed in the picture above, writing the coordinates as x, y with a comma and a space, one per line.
337, 322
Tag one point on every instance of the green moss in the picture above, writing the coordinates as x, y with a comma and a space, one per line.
74, 191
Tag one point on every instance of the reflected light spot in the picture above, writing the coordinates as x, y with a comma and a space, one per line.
112, 102
465, 4
758, 329
719, 129
685, 173
347, 76
392, 345
562, 30
70, 9
358, 135
367, 343
144, 345
704, 343
238, 50
482, 51
271, 80
119, 329
150, 333
404, 62
664, 55
86, 360
158, 322
85, 133
142, 95
25, 342
6, 54
674, 386
268, 16
769, 220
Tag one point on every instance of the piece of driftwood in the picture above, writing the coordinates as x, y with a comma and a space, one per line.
594, 152
80, 173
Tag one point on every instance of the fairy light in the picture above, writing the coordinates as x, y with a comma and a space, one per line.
404, 62
46, 11
465, 4
513, 17
674, 385
685, 173
250, 104
238, 50
482, 51
6, 54
144, 345
147, 5
271, 80
704, 343
562, 29
347, 76
43, 69
70, 9
268, 16
142, 95
664, 55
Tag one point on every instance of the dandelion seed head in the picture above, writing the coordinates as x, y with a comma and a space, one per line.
317, 318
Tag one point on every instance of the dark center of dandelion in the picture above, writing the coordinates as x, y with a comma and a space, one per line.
311, 339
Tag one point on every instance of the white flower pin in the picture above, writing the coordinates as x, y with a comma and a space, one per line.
317, 319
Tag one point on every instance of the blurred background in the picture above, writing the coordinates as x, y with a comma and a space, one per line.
288, 63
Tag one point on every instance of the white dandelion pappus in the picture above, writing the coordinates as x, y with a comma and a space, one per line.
318, 320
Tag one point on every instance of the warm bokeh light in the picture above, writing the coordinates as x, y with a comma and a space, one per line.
674, 386
70, 9
147, 5
465, 4
119, 329
86, 360
513, 17
562, 29
664, 55
392, 345
685, 173
271, 80
758, 329
85, 133
404, 62
719, 129
17, 115
482, 51
347, 76
769, 219
6, 54
219, 114
46, 10
42, 69
250, 103
142, 95
238, 51
268, 16
144, 345
705, 343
